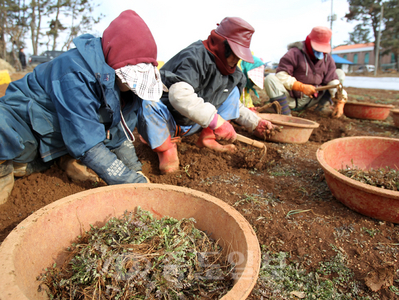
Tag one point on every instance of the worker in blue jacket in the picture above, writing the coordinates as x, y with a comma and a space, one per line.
82, 106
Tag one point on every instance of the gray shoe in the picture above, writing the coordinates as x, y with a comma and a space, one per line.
19, 169
6, 180
36, 166
324, 110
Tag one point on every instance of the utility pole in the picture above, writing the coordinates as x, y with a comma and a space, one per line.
331, 22
332, 17
377, 52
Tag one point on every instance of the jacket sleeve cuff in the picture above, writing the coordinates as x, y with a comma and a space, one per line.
286, 79
247, 118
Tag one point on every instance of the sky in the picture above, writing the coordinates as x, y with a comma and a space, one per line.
175, 24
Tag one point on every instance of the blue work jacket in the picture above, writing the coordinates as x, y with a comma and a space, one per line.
70, 102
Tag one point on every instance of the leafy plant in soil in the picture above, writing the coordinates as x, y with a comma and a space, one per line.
139, 257
385, 178
280, 279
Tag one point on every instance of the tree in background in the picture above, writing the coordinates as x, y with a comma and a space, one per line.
13, 27
359, 35
37, 13
17, 18
82, 19
5, 7
73, 15
16, 30
55, 10
390, 35
367, 12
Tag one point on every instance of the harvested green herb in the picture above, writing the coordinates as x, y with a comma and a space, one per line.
385, 178
140, 257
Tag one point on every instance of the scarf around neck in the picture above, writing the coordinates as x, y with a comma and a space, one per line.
215, 45
309, 49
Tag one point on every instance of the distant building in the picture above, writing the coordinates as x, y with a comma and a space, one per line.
363, 55
342, 63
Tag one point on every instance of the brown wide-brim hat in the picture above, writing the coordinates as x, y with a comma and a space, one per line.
238, 34
320, 39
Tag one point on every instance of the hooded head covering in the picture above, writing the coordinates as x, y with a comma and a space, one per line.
129, 48
128, 41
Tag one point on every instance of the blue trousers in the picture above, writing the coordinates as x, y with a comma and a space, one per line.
156, 123
23, 142
16, 138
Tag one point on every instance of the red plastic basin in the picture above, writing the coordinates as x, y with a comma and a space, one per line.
39, 240
365, 153
395, 116
368, 111
293, 130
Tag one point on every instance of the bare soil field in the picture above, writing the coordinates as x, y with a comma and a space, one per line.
290, 179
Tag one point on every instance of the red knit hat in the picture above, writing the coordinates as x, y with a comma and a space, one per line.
320, 39
238, 34
128, 40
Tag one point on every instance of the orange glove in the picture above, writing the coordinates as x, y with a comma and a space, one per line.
307, 89
338, 109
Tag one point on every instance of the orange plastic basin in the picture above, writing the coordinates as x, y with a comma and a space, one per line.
368, 111
365, 153
39, 240
293, 130
395, 116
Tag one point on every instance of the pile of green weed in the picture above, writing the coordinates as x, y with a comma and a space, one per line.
386, 178
332, 280
139, 257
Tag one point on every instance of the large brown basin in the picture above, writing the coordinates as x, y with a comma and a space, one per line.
364, 152
294, 130
368, 111
39, 240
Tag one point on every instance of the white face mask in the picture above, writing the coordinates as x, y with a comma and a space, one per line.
318, 55
143, 79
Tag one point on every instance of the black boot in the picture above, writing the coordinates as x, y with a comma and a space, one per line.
323, 106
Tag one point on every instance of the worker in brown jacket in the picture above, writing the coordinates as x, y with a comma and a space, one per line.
304, 67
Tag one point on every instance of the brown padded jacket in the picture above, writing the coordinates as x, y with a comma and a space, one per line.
297, 63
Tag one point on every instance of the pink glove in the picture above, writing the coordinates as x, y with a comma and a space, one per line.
225, 132
263, 127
